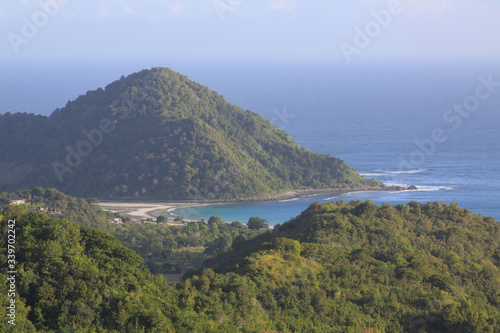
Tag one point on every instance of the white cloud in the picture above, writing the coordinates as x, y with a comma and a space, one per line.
284, 5
128, 10
104, 12
176, 9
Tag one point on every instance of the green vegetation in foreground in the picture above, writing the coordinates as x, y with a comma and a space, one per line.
75, 279
337, 267
173, 249
158, 135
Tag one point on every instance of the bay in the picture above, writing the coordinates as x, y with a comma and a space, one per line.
376, 117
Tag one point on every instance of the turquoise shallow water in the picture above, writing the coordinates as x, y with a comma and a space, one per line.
281, 211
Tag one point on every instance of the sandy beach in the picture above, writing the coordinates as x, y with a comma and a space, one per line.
142, 210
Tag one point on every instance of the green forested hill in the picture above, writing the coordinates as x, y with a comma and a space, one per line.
359, 267
338, 267
156, 134
74, 279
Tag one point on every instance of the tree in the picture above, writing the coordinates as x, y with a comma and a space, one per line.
238, 242
161, 219
257, 223
237, 225
216, 225
215, 220
218, 245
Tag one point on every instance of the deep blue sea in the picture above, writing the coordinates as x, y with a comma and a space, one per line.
432, 125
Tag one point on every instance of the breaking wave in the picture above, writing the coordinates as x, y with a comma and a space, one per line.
380, 172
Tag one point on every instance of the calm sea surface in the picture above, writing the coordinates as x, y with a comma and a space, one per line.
388, 122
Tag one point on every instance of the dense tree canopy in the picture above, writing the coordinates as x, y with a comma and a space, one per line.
337, 267
359, 267
71, 278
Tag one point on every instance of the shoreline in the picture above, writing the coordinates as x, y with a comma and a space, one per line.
147, 208
143, 209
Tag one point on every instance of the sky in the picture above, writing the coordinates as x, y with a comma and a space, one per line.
281, 31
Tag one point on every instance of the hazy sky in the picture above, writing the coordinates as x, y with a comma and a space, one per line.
250, 30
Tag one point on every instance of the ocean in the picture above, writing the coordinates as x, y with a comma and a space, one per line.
432, 125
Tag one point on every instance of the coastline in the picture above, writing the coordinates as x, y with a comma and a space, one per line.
143, 209
147, 208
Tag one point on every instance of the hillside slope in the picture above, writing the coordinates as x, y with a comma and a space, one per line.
337, 267
359, 267
157, 135
74, 279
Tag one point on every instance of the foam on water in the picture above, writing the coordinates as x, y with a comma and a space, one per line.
380, 172
288, 200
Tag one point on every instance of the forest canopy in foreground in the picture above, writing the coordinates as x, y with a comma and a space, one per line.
337, 267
